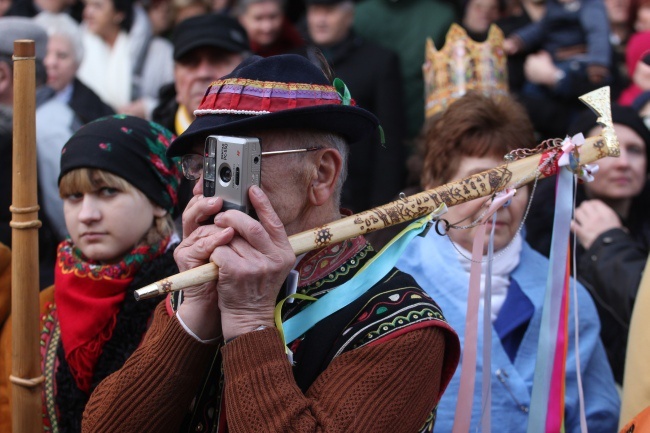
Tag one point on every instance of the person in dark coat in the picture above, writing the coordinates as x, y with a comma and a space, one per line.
372, 74
86, 104
206, 47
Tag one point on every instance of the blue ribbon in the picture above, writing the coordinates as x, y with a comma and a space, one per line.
552, 303
369, 275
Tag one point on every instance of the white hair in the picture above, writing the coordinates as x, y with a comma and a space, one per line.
301, 138
63, 25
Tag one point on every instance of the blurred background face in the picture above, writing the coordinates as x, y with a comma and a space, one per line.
642, 23
194, 72
618, 11
60, 62
329, 24
4, 7
479, 14
160, 15
508, 218
101, 17
188, 10
624, 177
262, 21
54, 6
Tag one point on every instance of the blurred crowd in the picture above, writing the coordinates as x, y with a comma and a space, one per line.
154, 59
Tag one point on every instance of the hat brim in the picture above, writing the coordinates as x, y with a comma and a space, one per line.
353, 123
209, 41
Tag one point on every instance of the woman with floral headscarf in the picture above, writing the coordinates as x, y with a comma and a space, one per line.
118, 189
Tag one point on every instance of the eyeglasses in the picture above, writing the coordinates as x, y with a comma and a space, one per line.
192, 164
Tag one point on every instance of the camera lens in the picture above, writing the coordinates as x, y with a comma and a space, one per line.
225, 174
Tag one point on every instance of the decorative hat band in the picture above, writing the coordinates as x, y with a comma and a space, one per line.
253, 97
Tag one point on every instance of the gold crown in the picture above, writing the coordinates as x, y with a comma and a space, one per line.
461, 65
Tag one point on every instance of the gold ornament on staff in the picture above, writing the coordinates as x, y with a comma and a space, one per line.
26, 376
510, 175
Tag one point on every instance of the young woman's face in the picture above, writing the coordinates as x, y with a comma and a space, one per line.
624, 177
107, 223
101, 17
508, 218
642, 23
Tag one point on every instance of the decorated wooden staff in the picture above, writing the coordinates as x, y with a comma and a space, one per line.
26, 377
519, 169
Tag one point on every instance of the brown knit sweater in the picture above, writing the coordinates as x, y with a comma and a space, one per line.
387, 387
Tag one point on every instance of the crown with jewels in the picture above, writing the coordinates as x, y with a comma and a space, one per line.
462, 65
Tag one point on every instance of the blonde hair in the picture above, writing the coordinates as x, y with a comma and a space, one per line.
85, 180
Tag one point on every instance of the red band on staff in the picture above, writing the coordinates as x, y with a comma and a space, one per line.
548, 168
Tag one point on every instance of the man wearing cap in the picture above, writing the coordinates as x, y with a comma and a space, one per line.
206, 47
377, 362
376, 173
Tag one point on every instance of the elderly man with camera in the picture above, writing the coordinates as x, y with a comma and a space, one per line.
214, 359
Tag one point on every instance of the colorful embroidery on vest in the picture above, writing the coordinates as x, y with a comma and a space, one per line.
50, 338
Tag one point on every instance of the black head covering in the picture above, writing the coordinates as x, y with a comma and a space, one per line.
131, 148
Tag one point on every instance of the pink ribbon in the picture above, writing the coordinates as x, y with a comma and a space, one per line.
463, 415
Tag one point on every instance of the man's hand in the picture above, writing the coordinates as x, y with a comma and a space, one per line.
252, 266
200, 307
198, 211
539, 69
592, 218
512, 45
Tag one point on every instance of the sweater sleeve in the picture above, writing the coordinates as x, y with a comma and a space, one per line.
387, 387
594, 21
155, 387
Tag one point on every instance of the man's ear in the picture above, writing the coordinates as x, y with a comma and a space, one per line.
325, 177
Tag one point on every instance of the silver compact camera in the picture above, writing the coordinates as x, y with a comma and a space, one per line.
231, 165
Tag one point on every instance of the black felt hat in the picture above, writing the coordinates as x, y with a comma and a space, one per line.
285, 91
209, 30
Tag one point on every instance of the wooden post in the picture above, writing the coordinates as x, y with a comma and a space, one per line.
26, 376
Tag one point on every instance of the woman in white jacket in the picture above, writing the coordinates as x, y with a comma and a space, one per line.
124, 63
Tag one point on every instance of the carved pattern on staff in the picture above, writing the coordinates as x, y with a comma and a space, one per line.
322, 237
